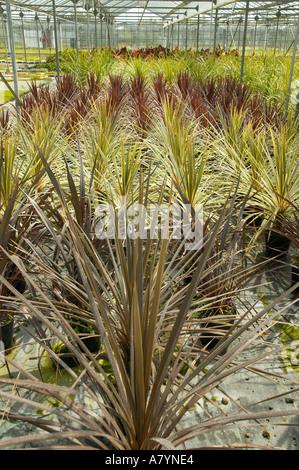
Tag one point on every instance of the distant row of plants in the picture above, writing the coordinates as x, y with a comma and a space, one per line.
263, 74
163, 321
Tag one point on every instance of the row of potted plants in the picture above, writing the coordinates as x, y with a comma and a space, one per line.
162, 319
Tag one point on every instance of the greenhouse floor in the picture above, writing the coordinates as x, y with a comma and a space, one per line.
242, 390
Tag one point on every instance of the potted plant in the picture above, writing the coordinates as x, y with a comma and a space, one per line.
265, 162
6, 329
18, 176
295, 274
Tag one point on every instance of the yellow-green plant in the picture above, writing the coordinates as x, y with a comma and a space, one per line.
41, 134
101, 138
122, 170
180, 150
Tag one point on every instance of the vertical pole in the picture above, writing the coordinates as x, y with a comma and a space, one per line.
56, 39
239, 31
153, 33
210, 33
278, 15
266, 36
21, 15
172, 35
255, 30
4, 37
215, 31
186, 42
101, 27
88, 35
13, 54
49, 35
37, 36
226, 34
108, 32
197, 36
244, 40
292, 67
76, 28
60, 35
178, 34
95, 12
286, 36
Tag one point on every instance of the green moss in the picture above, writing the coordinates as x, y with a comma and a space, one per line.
288, 333
290, 359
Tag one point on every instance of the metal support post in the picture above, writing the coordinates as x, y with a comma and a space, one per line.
21, 15
186, 42
95, 12
108, 32
172, 36
197, 36
239, 32
37, 35
244, 40
13, 55
5, 44
87, 7
256, 18
76, 28
215, 32
4, 36
226, 34
56, 39
101, 27
49, 37
278, 15
60, 35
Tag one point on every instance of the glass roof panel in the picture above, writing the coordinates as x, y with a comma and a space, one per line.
163, 10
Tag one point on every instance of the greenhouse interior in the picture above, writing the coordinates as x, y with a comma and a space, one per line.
149, 226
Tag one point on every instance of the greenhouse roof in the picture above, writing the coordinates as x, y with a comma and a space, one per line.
156, 10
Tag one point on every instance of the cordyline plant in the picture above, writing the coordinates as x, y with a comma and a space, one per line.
183, 155
262, 159
157, 368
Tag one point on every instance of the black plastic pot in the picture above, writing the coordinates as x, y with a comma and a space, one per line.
295, 279
92, 343
6, 334
210, 338
7, 328
277, 245
253, 221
